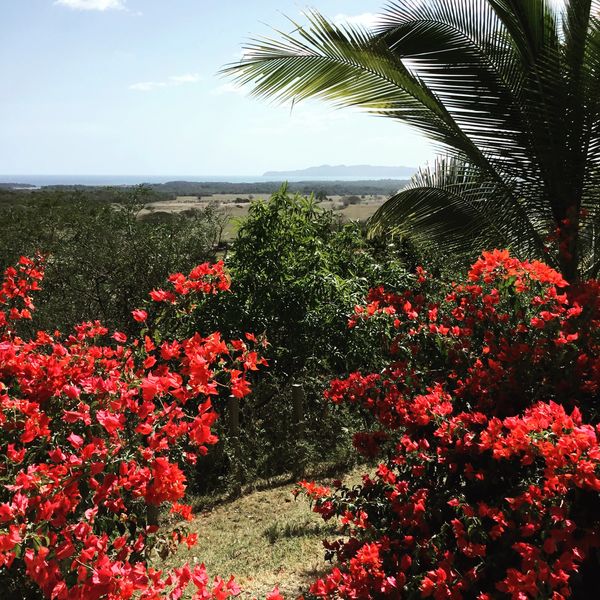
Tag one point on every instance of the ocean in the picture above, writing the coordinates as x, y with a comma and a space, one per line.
106, 180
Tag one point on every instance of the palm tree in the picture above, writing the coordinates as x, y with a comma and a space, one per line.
508, 90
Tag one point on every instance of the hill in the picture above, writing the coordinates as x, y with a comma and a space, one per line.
346, 171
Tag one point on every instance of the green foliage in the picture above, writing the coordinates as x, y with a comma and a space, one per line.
297, 274
103, 258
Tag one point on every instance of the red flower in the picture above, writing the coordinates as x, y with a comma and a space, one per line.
275, 595
139, 315
91, 436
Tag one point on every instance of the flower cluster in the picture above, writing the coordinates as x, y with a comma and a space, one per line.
16, 289
94, 431
489, 485
205, 279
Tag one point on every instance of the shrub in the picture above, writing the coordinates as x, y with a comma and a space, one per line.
487, 412
94, 434
102, 257
296, 274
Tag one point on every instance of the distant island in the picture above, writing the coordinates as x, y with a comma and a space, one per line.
347, 171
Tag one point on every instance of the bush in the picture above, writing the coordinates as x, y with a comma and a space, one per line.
95, 431
487, 410
102, 258
296, 274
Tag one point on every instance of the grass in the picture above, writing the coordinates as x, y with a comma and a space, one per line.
265, 538
235, 207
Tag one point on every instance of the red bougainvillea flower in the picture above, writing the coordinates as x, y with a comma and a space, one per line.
139, 315
489, 432
95, 428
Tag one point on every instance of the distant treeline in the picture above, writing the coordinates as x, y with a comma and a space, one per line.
331, 188
12, 185
192, 188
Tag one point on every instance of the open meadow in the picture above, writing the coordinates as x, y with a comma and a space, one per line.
234, 207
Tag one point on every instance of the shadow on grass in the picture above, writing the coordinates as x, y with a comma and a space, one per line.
277, 531
320, 471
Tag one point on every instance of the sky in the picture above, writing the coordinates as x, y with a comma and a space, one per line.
132, 87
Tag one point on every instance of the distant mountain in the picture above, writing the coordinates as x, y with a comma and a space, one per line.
346, 171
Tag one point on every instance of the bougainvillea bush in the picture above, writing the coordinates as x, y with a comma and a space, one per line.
488, 484
95, 429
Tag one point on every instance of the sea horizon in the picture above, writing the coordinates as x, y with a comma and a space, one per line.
128, 180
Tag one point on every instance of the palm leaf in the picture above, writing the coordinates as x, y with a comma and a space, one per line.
459, 50
508, 89
349, 67
456, 206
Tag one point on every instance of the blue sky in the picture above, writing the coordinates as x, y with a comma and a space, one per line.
132, 87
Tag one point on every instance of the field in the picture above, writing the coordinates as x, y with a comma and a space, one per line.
235, 207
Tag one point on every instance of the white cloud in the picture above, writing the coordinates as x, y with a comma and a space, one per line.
101, 5
174, 80
366, 20
186, 78
229, 88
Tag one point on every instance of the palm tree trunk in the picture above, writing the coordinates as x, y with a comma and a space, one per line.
585, 583
568, 243
568, 257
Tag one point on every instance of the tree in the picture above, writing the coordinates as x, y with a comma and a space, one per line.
509, 90
297, 273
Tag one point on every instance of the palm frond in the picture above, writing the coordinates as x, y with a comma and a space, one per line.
457, 207
459, 51
531, 25
349, 67
590, 102
510, 91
